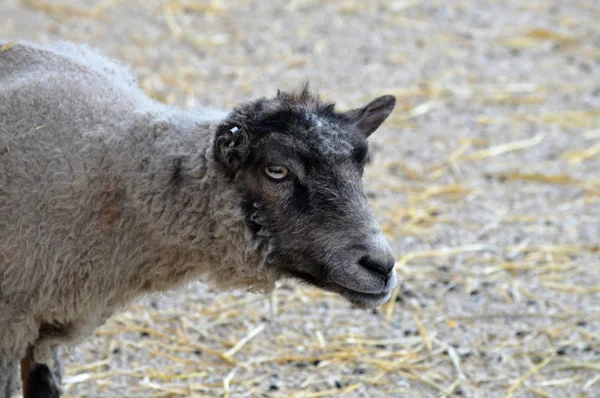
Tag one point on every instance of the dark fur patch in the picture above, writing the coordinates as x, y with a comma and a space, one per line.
300, 198
53, 330
284, 120
249, 212
110, 201
177, 173
143, 166
359, 154
41, 383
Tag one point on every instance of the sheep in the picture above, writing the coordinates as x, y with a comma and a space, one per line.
106, 195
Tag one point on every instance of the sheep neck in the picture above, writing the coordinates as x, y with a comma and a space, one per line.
192, 210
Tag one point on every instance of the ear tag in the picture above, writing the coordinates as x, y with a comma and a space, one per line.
233, 131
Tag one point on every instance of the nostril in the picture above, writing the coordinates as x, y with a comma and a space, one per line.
381, 265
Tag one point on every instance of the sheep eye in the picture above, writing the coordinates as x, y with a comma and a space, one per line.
276, 172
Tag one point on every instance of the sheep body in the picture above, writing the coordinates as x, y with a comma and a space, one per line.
92, 210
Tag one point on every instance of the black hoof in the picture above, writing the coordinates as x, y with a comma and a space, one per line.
41, 383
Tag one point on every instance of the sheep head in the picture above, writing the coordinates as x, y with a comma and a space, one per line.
298, 165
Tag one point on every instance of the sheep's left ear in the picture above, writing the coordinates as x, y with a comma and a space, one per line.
231, 146
371, 116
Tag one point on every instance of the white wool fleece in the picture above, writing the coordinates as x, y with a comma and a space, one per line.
105, 194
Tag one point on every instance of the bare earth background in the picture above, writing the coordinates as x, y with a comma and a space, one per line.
486, 180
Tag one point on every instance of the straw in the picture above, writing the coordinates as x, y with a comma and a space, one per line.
484, 180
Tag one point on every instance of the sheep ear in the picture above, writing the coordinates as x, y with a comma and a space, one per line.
371, 116
231, 147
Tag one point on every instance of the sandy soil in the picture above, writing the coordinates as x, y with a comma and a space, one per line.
486, 180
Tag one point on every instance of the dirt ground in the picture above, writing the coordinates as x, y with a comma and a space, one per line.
486, 181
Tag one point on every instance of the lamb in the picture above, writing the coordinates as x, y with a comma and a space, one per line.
106, 195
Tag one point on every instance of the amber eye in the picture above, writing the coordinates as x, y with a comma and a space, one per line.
276, 172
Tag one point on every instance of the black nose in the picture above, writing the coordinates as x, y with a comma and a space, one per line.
382, 265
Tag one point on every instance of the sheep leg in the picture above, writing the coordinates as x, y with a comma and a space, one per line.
41, 369
8, 379
40, 380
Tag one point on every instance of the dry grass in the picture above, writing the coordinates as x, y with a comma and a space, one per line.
485, 180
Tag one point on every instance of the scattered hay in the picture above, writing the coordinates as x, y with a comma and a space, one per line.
7, 46
533, 371
436, 336
504, 148
66, 10
534, 37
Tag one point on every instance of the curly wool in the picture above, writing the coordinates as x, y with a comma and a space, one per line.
105, 194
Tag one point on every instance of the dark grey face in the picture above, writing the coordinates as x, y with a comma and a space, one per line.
299, 166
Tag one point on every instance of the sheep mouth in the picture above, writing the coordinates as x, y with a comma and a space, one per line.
355, 297
361, 299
